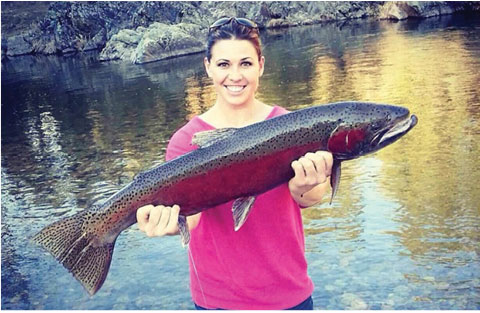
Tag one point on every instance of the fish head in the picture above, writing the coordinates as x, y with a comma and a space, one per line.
368, 127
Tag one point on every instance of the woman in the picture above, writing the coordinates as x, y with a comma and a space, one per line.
262, 265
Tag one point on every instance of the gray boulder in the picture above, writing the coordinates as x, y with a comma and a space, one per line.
17, 45
401, 10
158, 41
122, 45
163, 41
397, 11
433, 8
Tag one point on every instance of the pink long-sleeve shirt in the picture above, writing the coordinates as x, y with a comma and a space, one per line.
260, 266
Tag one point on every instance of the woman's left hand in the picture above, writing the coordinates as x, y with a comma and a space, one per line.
311, 170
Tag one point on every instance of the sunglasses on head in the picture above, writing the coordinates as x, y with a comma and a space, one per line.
240, 20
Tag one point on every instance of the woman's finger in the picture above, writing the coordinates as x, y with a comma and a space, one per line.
320, 166
310, 170
153, 220
172, 225
328, 160
163, 221
143, 214
298, 169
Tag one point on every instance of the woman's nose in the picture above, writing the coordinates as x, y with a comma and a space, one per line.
235, 74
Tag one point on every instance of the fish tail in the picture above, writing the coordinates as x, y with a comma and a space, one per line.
79, 250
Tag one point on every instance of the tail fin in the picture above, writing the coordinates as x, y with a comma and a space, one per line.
79, 251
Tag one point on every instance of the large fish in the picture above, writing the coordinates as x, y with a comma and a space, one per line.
233, 163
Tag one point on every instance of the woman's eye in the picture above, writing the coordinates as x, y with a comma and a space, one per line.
246, 64
223, 64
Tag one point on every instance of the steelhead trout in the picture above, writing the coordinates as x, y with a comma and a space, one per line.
232, 163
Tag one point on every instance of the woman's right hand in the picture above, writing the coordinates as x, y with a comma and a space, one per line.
156, 221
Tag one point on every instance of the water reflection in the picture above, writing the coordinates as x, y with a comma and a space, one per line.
402, 232
438, 162
199, 95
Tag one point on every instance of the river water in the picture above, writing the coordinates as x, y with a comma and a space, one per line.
402, 233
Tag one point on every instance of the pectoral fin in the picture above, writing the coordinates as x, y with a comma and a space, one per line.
241, 208
335, 178
183, 229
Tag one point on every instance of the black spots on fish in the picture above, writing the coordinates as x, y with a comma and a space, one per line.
142, 186
116, 206
141, 178
270, 144
94, 219
91, 218
148, 178
289, 139
140, 193
206, 167
307, 135
255, 153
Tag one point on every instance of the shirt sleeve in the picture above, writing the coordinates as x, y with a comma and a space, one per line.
181, 141
179, 144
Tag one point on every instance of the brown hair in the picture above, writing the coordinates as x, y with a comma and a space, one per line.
233, 30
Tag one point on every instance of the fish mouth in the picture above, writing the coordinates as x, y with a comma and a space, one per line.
392, 133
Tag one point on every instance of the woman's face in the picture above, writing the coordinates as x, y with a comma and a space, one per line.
235, 70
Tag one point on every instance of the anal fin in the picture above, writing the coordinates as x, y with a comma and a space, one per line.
241, 208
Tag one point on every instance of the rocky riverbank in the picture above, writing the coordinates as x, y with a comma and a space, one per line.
143, 32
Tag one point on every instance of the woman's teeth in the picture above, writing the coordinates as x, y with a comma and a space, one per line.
235, 88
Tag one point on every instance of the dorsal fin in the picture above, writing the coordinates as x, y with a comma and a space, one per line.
209, 137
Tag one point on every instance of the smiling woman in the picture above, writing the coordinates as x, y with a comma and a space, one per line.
235, 64
237, 267
235, 71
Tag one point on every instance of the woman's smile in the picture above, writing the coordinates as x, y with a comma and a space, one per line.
235, 89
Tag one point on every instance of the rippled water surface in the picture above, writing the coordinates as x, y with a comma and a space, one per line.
402, 233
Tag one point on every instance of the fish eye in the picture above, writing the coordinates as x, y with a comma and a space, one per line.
375, 126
